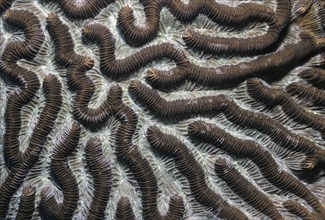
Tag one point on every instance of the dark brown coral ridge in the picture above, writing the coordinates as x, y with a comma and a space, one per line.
101, 172
124, 210
162, 109
82, 10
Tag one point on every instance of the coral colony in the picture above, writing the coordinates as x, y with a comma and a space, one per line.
162, 109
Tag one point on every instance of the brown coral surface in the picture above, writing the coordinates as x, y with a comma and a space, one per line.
162, 109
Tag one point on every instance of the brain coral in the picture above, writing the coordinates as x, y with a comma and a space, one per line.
162, 109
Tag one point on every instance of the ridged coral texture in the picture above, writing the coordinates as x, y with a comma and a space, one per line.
162, 109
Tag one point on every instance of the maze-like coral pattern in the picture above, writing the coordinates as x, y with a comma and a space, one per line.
162, 109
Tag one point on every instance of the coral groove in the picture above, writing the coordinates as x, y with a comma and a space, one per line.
45, 125
245, 189
263, 159
186, 163
64, 177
